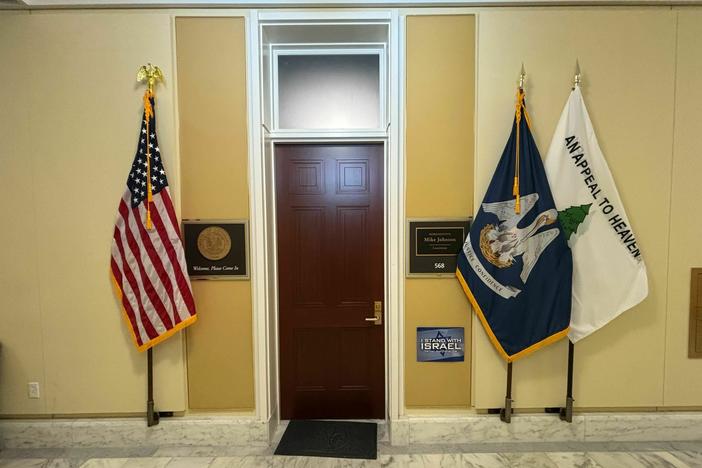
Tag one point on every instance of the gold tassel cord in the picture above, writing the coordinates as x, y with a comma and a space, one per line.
148, 113
518, 117
520, 107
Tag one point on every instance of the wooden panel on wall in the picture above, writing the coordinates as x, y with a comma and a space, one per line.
211, 59
439, 140
695, 332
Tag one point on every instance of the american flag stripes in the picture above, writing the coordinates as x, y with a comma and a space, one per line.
148, 263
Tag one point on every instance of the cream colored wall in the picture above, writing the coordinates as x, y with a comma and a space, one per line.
439, 140
683, 376
628, 63
68, 129
211, 57
70, 115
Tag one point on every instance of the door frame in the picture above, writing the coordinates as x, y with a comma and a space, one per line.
263, 251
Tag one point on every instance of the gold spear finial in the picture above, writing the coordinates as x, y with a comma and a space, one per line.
577, 79
151, 74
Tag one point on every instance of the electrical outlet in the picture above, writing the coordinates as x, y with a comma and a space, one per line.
33, 389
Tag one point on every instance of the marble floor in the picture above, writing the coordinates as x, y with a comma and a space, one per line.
531, 455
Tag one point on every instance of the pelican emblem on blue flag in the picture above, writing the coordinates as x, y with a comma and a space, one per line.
515, 265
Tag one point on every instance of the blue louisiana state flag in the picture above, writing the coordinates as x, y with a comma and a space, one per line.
515, 266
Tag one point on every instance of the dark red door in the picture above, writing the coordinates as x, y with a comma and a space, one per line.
330, 266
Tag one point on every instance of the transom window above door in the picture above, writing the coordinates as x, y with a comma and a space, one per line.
328, 89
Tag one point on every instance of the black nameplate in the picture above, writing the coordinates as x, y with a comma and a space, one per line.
216, 249
434, 245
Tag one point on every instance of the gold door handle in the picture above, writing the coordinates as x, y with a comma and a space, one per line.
377, 313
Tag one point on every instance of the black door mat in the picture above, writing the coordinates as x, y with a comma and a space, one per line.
337, 439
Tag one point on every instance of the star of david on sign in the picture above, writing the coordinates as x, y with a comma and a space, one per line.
440, 336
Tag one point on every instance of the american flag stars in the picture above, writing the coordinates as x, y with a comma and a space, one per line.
136, 182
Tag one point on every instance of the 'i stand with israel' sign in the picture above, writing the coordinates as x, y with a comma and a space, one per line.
435, 344
609, 275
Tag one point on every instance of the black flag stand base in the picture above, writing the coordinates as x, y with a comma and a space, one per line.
506, 412
566, 414
152, 417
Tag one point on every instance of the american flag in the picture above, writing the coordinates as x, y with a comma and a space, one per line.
148, 263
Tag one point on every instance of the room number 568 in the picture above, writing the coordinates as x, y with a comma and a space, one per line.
439, 266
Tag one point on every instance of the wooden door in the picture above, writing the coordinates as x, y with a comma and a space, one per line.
330, 265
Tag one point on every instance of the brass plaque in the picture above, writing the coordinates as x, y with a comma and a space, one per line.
216, 248
695, 337
433, 245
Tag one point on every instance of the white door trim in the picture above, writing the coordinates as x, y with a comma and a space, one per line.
258, 226
395, 297
262, 278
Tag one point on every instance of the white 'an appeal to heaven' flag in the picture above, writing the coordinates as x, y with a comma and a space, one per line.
609, 274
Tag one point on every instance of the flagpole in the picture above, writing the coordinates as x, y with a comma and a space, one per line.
566, 414
506, 412
152, 417
151, 74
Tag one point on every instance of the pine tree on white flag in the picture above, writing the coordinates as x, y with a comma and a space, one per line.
609, 274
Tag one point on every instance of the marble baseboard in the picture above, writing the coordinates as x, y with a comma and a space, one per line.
588, 427
644, 427
133, 432
383, 431
399, 432
224, 431
489, 428
213, 431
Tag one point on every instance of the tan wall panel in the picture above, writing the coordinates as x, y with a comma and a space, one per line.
440, 107
683, 376
622, 364
211, 57
435, 303
220, 359
21, 353
84, 111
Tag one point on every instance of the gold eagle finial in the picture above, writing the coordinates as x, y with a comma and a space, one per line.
151, 74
